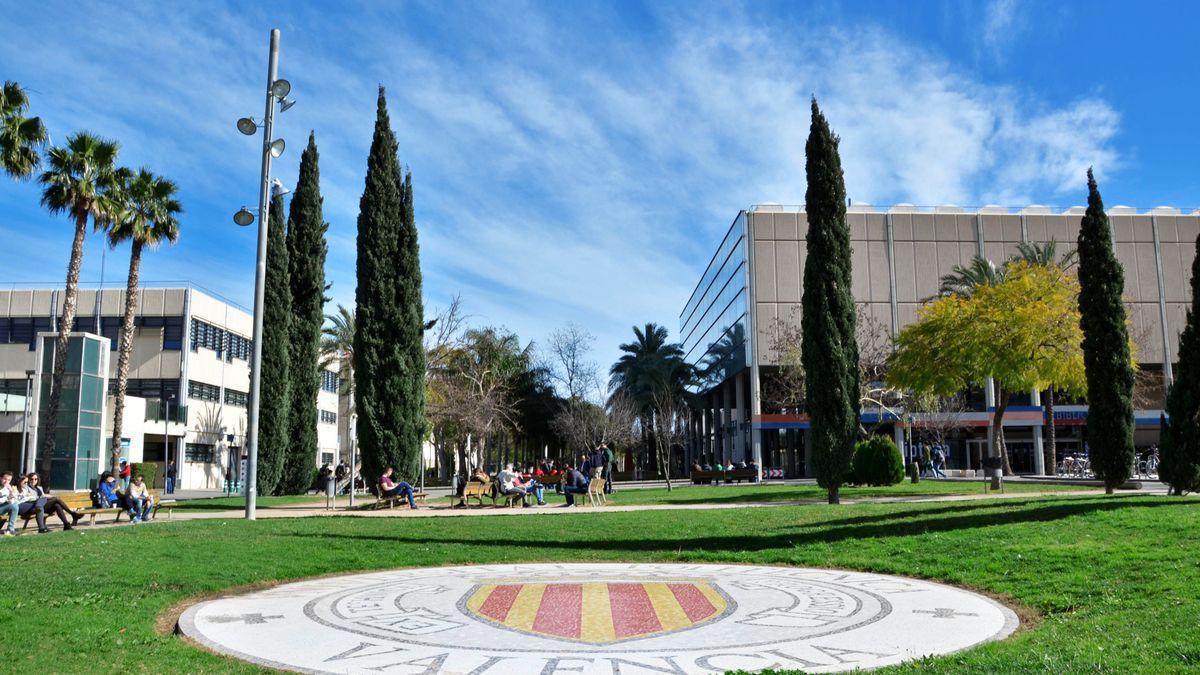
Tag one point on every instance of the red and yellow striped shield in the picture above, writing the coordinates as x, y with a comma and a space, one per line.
597, 612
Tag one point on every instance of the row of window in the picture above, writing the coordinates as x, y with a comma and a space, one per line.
227, 344
202, 391
199, 452
328, 417
330, 381
150, 389
24, 329
235, 398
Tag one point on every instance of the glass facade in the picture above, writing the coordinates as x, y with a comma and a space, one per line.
76, 459
714, 324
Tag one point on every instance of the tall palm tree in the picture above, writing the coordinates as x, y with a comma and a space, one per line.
21, 137
1047, 254
83, 182
148, 216
637, 372
337, 344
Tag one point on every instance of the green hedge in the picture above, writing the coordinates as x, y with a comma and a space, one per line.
876, 462
149, 471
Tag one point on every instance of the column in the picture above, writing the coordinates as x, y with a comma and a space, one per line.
726, 436
989, 389
1039, 460
1168, 371
808, 472
739, 414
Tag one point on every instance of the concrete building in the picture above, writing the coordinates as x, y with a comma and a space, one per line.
187, 395
752, 286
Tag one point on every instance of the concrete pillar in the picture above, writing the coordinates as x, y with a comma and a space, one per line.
739, 414
727, 436
1039, 459
1167, 368
898, 435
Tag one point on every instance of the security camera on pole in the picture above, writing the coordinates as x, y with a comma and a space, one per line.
277, 91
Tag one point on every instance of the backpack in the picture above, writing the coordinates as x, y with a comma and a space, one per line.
97, 498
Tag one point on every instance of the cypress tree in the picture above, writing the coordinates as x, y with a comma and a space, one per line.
273, 442
411, 340
1180, 453
829, 354
1106, 356
306, 273
389, 377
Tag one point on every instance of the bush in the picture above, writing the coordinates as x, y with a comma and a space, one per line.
148, 471
876, 462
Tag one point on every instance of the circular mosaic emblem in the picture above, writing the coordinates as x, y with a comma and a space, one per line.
596, 618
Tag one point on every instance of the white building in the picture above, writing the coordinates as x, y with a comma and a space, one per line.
187, 395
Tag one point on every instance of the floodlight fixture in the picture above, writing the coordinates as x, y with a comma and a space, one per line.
243, 217
276, 146
285, 104
247, 126
281, 88
277, 188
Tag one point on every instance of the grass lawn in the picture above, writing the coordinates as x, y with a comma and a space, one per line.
1116, 580
227, 503
686, 493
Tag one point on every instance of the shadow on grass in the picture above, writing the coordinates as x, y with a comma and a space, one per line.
902, 524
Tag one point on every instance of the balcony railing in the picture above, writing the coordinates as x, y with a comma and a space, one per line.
160, 411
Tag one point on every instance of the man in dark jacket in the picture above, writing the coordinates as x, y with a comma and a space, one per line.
574, 483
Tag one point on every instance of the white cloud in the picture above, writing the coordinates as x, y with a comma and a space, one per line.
564, 169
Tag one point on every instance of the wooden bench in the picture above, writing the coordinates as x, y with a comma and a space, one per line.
81, 503
549, 480
740, 475
477, 491
595, 492
390, 502
705, 477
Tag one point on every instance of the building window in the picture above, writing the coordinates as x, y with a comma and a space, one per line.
239, 347
330, 381
327, 458
199, 452
328, 417
236, 398
149, 389
204, 392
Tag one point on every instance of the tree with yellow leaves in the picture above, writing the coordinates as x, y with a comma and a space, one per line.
1022, 331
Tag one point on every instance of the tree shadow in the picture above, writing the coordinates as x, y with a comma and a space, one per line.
899, 525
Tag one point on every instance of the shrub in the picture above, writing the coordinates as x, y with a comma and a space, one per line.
876, 462
148, 470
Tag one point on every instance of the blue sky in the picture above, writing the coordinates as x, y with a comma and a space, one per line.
579, 161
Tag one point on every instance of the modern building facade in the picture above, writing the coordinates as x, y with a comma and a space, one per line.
187, 394
751, 290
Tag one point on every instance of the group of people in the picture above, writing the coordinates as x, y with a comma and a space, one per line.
129, 494
23, 495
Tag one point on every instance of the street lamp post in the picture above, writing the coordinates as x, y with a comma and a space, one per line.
277, 90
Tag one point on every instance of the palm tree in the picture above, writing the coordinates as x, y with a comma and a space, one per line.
963, 281
148, 216
639, 370
1047, 254
82, 181
21, 137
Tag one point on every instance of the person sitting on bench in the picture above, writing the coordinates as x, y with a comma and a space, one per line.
388, 488
508, 484
107, 496
27, 502
533, 486
53, 504
574, 483
9, 506
141, 499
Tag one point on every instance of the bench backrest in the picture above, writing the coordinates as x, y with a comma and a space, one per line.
742, 473
596, 486
477, 489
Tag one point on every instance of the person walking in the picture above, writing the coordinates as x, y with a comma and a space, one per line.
171, 473
939, 459
126, 474
610, 465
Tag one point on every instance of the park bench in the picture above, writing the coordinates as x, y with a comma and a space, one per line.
705, 477
477, 491
740, 475
549, 480
81, 502
390, 502
595, 492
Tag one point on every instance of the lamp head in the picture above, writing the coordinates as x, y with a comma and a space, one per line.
281, 88
277, 146
285, 104
243, 217
247, 126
